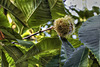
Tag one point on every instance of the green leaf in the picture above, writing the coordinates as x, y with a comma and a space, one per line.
27, 44
14, 10
39, 11
56, 8
47, 56
40, 15
63, 55
45, 46
67, 46
3, 19
32, 62
89, 34
10, 60
75, 42
15, 53
19, 26
36, 11
4, 61
9, 33
66, 50
78, 59
54, 62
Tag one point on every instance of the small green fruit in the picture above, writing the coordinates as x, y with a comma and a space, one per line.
64, 26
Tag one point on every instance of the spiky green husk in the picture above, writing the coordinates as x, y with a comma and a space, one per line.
64, 26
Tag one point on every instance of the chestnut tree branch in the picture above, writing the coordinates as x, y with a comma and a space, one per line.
38, 32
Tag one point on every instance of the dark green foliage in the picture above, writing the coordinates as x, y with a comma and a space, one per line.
27, 44
46, 46
4, 61
66, 50
14, 10
15, 53
68, 47
56, 8
3, 18
75, 42
78, 59
54, 62
9, 33
47, 49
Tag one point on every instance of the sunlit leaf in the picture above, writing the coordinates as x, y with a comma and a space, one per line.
45, 46
56, 8
36, 11
3, 19
47, 56
75, 42
10, 60
4, 61
40, 11
19, 26
33, 62
14, 10
15, 53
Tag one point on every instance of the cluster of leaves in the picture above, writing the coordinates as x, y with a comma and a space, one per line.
19, 17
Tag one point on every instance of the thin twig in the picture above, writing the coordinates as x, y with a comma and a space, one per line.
38, 32
35, 34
